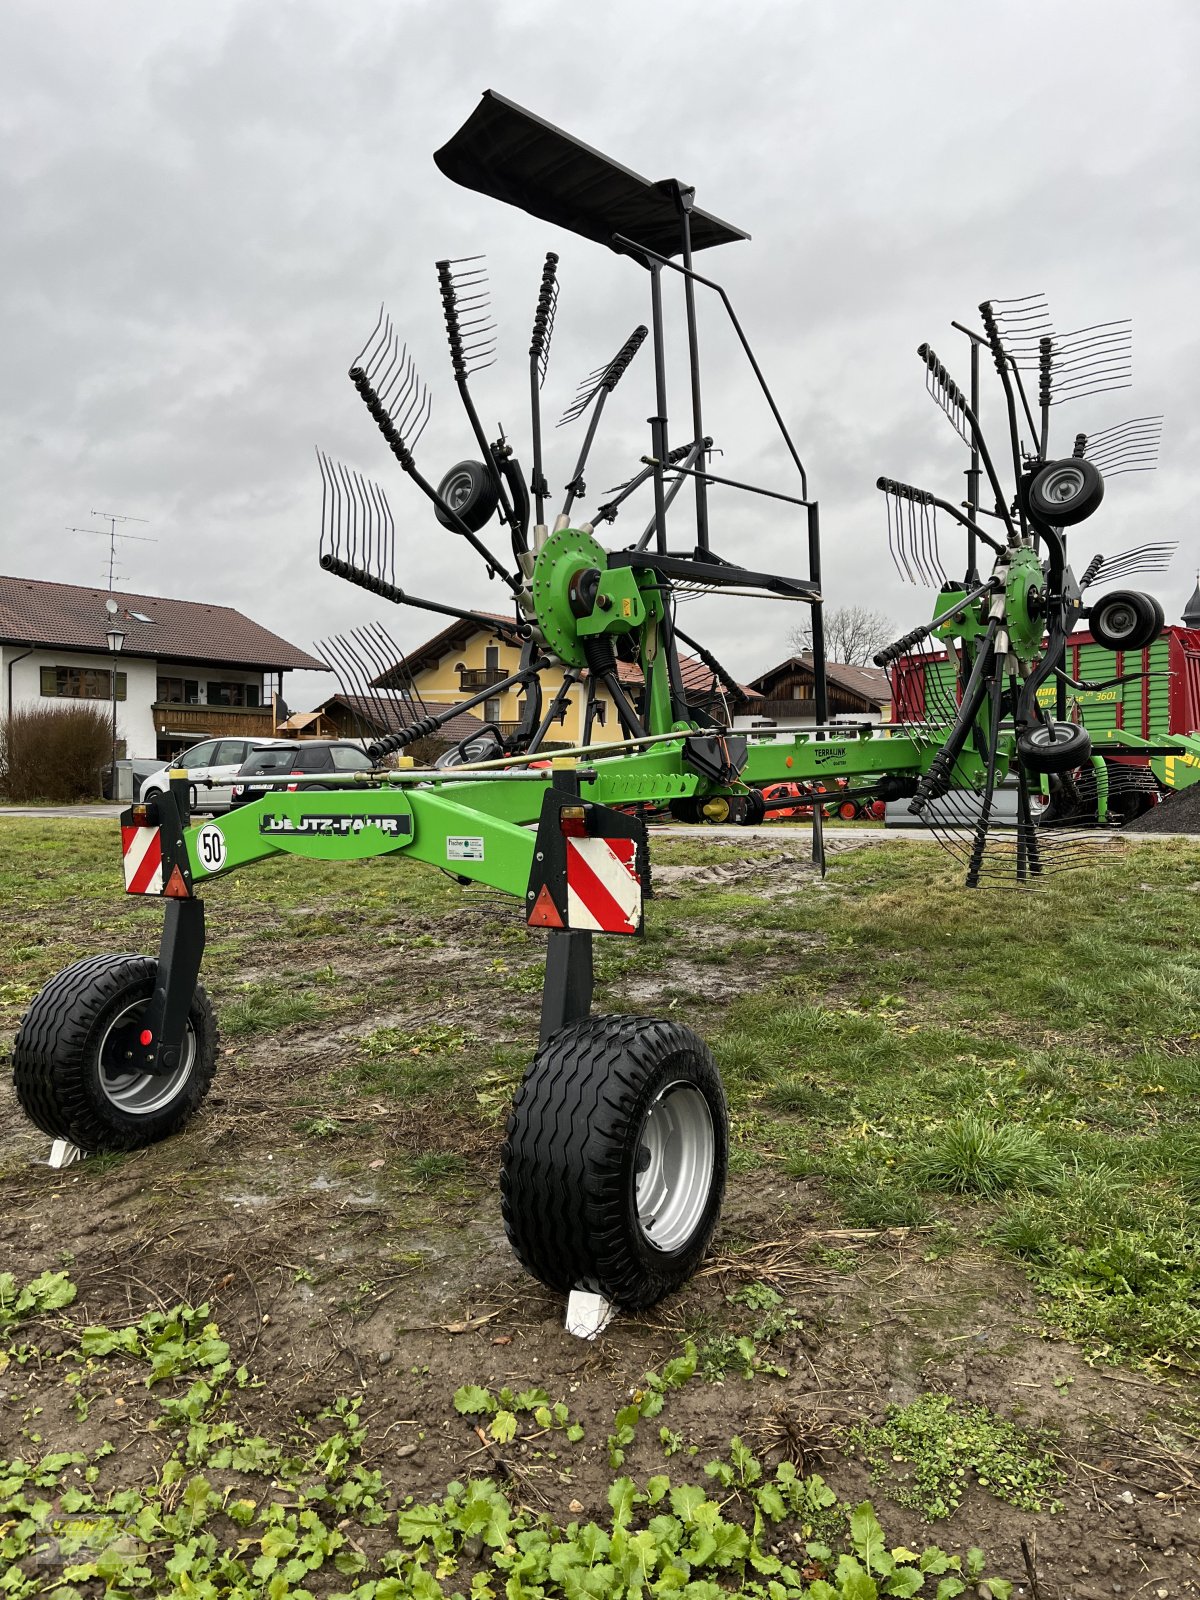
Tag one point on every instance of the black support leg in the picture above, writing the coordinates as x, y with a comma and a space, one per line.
567, 993
179, 955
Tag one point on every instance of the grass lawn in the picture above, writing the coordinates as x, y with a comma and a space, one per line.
288, 1353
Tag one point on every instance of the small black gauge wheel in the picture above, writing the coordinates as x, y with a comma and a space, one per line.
1065, 492
71, 1058
614, 1160
1053, 746
469, 489
1126, 620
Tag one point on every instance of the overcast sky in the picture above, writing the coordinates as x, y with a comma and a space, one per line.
202, 208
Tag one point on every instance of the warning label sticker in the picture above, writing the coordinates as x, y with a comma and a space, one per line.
464, 847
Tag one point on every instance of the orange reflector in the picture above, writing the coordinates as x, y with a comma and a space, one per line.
141, 816
545, 912
176, 888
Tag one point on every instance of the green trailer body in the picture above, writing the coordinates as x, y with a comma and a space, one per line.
1156, 706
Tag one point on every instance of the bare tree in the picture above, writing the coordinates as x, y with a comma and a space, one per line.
852, 635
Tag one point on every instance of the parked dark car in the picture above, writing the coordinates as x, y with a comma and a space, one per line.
309, 764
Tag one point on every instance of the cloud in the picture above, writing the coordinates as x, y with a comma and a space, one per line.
204, 208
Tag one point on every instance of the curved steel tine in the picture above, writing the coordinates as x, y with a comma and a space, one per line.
402, 391
351, 515
363, 498
359, 360
380, 350
393, 373
338, 509
327, 544
422, 420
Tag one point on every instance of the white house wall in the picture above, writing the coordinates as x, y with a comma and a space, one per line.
135, 714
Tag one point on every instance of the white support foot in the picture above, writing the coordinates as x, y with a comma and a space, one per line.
588, 1314
63, 1153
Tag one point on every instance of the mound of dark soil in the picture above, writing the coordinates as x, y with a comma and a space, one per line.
1178, 813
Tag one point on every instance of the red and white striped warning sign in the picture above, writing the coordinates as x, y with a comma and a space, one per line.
141, 851
604, 892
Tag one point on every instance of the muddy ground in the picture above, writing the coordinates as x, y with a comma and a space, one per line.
338, 1257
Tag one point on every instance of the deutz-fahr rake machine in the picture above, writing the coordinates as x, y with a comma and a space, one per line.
614, 1161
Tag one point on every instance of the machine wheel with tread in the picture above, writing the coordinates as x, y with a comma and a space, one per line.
469, 489
1054, 746
68, 1059
614, 1160
1126, 619
1065, 492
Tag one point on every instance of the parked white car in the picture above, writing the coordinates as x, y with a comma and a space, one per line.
211, 767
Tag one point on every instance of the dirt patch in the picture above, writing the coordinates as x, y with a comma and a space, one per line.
331, 1268
345, 1230
1178, 813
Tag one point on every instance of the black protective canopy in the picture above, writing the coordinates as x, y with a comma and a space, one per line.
506, 152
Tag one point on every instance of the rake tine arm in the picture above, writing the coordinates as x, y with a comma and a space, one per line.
539, 352
979, 843
683, 453
902, 646
401, 597
905, 491
929, 357
423, 726
570, 678
460, 361
941, 771
404, 456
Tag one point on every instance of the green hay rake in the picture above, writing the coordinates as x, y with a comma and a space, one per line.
615, 1155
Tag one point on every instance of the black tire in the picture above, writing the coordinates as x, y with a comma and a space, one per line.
152, 795
577, 1145
469, 489
1053, 746
1065, 492
1126, 620
67, 1051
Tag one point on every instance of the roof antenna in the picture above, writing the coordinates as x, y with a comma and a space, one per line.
112, 518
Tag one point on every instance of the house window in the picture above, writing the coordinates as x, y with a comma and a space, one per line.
491, 709
232, 694
178, 691
82, 683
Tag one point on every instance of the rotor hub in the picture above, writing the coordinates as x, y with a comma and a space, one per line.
1025, 603
562, 587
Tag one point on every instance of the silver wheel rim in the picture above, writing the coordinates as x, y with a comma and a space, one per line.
1057, 734
140, 1094
458, 491
1120, 621
1061, 487
675, 1158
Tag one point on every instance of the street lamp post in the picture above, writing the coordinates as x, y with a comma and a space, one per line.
116, 638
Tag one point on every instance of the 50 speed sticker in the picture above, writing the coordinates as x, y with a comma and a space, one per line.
211, 847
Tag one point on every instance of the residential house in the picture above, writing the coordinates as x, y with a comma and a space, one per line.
185, 671
788, 695
467, 658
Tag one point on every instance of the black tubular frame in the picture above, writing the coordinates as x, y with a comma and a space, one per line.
659, 459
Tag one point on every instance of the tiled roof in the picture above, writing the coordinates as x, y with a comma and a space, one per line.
870, 682
391, 714
70, 617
